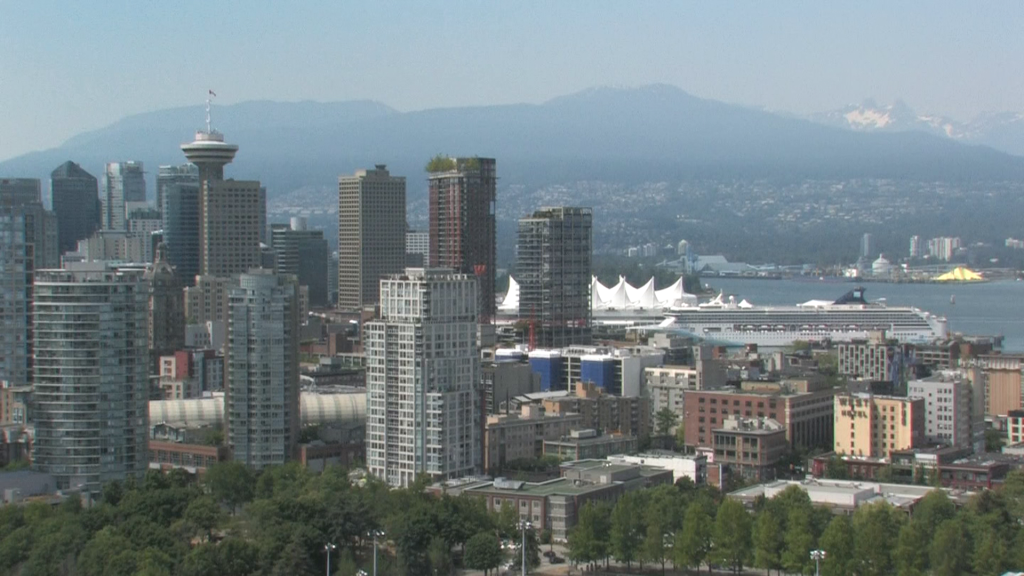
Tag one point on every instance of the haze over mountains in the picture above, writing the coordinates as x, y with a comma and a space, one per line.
653, 133
1000, 130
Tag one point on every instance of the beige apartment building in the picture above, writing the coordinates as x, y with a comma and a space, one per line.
371, 234
630, 416
207, 301
875, 426
510, 437
1003, 383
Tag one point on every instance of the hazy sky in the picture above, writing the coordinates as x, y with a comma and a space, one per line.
66, 67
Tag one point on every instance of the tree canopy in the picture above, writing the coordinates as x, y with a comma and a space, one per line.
235, 522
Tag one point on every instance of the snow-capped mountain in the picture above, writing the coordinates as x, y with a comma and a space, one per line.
898, 116
1000, 130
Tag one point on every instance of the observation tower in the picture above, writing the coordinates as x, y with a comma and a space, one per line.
209, 151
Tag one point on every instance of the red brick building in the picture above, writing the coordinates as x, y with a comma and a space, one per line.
806, 416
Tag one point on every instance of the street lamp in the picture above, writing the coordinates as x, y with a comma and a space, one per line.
329, 548
525, 525
817, 556
375, 534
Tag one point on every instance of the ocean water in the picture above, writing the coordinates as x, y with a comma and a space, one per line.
986, 309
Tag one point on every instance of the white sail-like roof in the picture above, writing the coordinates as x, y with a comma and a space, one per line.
622, 296
511, 301
644, 297
596, 289
632, 292
617, 299
602, 292
675, 296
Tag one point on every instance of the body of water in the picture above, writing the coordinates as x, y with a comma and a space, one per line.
986, 309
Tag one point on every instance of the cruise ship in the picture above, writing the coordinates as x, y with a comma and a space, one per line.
850, 317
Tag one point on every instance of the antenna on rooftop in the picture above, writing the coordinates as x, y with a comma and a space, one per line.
209, 97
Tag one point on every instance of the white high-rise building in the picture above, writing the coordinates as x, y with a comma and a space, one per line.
915, 246
261, 359
422, 378
867, 245
91, 374
418, 243
949, 407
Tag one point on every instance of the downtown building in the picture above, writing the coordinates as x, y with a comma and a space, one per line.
262, 369
875, 426
169, 176
417, 248
178, 192
876, 359
28, 241
74, 196
371, 234
462, 196
804, 409
554, 274
91, 376
124, 188
207, 300
422, 378
232, 213
166, 309
304, 254
954, 409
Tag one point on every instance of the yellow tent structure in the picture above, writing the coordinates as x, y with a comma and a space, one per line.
959, 274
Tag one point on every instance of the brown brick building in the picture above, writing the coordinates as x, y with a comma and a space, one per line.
806, 415
630, 416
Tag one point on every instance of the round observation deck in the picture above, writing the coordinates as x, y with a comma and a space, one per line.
209, 148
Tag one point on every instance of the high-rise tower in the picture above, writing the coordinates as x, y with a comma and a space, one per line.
91, 378
229, 210
371, 234
28, 240
124, 188
262, 364
422, 378
179, 212
304, 254
554, 275
76, 203
462, 225
167, 176
867, 245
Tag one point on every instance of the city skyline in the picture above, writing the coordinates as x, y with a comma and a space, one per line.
752, 55
615, 345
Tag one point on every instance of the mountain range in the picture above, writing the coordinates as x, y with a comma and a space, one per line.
648, 134
1001, 130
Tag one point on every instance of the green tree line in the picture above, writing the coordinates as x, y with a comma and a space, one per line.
233, 522
689, 528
